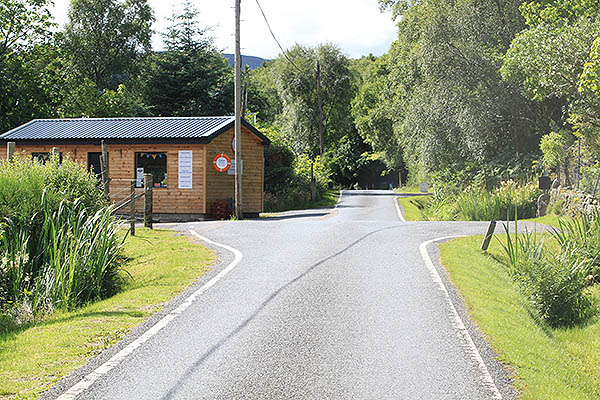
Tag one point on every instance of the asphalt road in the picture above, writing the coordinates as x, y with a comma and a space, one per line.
325, 304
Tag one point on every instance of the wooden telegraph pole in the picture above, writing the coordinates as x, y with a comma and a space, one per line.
320, 105
238, 115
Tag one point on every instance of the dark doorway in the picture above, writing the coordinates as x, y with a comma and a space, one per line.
94, 164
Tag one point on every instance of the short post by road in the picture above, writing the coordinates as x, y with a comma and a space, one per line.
132, 207
11, 149
104, 170
488, 236
148, 182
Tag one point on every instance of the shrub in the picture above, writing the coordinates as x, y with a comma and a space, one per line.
58, 242
475, 203
23, 180
581, 235
555, 284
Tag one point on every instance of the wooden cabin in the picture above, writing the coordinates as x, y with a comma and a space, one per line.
180, 153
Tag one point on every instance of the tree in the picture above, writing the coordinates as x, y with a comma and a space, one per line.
191, 78
371, 108
449, 106
24, 48
104, 40
554, 59
296, 85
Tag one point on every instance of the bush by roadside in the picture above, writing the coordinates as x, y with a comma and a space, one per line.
161, 264
547, 363
556, 276
58, 242
475, 203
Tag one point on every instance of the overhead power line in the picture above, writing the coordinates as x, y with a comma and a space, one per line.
276, 41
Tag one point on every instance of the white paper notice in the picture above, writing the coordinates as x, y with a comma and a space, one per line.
139, 177
185, 169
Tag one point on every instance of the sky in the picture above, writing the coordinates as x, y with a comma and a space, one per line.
356, 26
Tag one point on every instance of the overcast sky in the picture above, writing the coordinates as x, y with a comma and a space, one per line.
356, 26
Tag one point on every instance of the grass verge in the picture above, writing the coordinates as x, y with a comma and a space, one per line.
547, 363
329, 199
412, 212
549, 219
161, 266
410, 207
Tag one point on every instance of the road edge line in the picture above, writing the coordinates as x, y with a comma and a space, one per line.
398, 210
457, 322
337, 203
115, 360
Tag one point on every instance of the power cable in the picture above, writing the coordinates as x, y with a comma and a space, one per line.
276, 41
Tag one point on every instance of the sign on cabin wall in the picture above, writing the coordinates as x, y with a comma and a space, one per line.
231, 171
185, 174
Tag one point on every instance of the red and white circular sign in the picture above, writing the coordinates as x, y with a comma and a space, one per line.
222, 162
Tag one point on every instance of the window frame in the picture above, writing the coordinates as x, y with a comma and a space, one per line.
162, 184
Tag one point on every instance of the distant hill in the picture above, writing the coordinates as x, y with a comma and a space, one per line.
251, 61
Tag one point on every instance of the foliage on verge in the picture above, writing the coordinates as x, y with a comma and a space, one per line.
58, 242
556, 282
475, 203
37, 355
546, 363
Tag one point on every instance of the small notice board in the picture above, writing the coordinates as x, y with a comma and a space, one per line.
231, 170
185, 169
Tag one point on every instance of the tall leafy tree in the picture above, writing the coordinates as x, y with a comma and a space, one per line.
552, 60
24, 44
104, 39
297, 88
372, 111
450, 107
191, 78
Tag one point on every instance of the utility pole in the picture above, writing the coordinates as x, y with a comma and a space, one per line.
238, 115
320, 105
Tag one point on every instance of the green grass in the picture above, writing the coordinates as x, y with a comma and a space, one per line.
410, 207
329, 199
547, 363
412, 212
549, 219
408, 189
161, 266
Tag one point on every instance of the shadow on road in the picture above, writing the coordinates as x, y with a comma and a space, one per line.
278, 217
172, 394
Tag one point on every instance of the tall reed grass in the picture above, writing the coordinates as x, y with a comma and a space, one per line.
475, 203
555, 283
57, 249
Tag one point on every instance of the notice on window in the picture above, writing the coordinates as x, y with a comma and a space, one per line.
139, 177
185, 169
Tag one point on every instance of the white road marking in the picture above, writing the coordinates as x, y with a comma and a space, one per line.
399, 210
339, 200
115, 360
458, 324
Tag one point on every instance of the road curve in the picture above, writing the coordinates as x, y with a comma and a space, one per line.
325, 304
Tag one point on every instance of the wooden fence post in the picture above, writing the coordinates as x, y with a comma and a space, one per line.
104, 170
488, 236
148, 182
132, 208
11, 149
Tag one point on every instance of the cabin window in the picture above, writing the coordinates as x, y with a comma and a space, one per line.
44, 157
154, 163
94, 164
